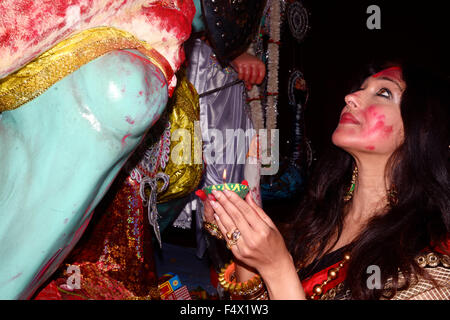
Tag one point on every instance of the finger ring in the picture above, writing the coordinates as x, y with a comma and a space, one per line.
231, 243
213, 229
235, 235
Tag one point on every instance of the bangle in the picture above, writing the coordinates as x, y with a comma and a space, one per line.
252, 289
213, 229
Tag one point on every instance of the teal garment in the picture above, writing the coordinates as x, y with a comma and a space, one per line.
168, 212
198, 24
60, 152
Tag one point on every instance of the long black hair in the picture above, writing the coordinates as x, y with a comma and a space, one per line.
419, 169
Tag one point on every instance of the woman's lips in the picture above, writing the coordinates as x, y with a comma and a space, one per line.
347, 117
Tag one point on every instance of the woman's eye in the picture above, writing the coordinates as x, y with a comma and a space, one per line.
384, 93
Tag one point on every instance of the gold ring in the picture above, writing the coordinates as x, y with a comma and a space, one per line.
231, 243
213, 229
235, 235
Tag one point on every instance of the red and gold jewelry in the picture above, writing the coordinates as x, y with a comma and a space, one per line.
332, 274
252, 289
213, 229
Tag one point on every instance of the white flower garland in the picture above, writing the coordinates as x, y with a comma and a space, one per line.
272, 75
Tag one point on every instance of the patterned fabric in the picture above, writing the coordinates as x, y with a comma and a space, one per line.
438, 268
172, 167
114, 256
435, 286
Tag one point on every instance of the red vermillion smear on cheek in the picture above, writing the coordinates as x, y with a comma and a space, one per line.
379, 126
372, 111
387, 131
381, 129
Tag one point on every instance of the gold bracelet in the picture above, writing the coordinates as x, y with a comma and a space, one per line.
213, 229
250, 289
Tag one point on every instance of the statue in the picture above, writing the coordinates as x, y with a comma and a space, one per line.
80, 84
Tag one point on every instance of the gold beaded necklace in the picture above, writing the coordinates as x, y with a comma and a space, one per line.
332, 275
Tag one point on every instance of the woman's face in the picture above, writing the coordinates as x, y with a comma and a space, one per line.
371, 121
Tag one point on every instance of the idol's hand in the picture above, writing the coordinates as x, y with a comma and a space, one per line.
250, 69
252, 236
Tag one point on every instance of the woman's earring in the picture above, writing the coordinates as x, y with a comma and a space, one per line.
348, 196
392, 196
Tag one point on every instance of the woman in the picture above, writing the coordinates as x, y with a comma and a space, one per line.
375, 221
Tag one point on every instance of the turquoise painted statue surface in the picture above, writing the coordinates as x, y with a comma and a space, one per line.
67, 129
62, 151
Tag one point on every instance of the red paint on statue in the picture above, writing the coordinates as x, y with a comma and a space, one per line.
137, 58
172, 20
159, 76
125, 138
47, 265
8, 39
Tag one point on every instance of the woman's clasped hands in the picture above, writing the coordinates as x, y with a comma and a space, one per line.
251, 235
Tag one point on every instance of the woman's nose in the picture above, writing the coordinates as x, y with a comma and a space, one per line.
351, 100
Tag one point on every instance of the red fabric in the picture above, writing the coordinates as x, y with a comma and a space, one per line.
115, 254
443, 247
321, 276
214, 277
50, 292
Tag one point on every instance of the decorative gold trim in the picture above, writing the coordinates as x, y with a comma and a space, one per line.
433, 260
